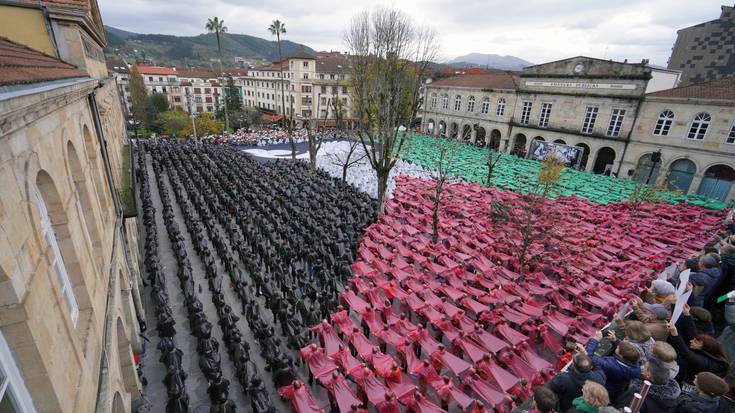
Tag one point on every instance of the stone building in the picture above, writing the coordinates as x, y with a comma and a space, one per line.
694, 128
69, 297
598, 105
706, 51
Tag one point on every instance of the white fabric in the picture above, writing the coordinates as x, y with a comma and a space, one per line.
361, 175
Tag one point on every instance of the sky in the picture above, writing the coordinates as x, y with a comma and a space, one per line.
535, 30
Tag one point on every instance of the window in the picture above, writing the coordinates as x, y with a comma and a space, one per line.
150, 78
526, 112
590, 117
457, 102
485, 105
57, 261
445, 102
306, 65
699, 126
543, 120
501, 107
305, 89
471, 104
323, 89
14, 395
731, 136
306, 75
344, 90
207, 90
616, 121
321, 76
433, 100
335, 90
663, 124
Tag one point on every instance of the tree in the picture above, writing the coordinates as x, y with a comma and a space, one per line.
448, 153
138, 96
389, 58
644, 193
217, 26
277, 28
252, 117
232, 99
530, 216
173, 122
348, 159
205, 124
155, 103
493, 157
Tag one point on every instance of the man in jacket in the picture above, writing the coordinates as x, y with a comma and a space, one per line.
619, 368
706, 398
663, 393
707, 279
568, 385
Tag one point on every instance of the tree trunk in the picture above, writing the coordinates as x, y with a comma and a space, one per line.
435, 215
227, 117
344, 172
382, 186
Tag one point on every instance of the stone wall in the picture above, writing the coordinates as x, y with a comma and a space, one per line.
48, 138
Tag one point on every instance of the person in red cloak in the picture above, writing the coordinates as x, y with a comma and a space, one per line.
390, 405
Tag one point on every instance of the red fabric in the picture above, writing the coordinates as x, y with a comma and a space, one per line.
343, 394
449, 360
300, 399
402, 388
318, 362
343, 321
373, 388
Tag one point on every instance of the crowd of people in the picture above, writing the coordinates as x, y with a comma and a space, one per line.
284, 253
454, 327
271, 136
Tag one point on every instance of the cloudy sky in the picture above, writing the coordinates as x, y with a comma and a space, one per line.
535, 30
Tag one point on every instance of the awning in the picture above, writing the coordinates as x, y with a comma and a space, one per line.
272, 118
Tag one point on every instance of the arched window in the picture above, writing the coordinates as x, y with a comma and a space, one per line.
485, 105
731, 136
49, 235
699, 126
663, 124
433, 100
501, 107
445, 102
471, 104
457, 102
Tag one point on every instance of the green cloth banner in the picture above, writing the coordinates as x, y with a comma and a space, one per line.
519, 175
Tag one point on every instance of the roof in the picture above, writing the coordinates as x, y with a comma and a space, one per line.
117, 66
271, 67
194, 73
723, 89
300, 55
498, 80
22, 65
234, 71
156, 70
327, 62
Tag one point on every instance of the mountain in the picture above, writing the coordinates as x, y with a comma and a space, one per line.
490, 60
195, 51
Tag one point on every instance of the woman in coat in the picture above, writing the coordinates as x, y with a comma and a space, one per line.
702, 353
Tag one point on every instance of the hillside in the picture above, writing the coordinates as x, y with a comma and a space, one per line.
194, 50
493, 61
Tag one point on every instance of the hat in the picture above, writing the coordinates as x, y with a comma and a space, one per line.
711, 385
659, 310
663, 287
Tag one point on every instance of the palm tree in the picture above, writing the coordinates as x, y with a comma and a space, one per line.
217, 26
277, 28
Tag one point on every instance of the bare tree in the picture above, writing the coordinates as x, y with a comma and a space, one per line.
643, 193
493, 157
313, 136
389, 58
527, 217
448, 151
348, 159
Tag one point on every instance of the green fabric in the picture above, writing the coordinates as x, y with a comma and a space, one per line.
519, 175
580, 404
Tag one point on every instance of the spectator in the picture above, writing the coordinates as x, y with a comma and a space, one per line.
708, 395
662, 394
662, 291
665, 353
727, 338
703, 354
568, 385
638, 335
706, 281
594, 396
727, 268
702, 320
619, 368
654, 317
544, 400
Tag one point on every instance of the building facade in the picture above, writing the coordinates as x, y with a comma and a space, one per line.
69, 297
312, 84
706, 51
598, 105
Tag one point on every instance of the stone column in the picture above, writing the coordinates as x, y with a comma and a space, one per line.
696, 181
473, 135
